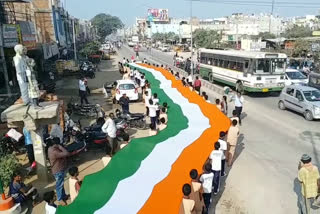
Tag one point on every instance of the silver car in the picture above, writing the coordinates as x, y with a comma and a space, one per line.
302, 99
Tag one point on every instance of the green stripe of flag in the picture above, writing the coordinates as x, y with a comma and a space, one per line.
98, 188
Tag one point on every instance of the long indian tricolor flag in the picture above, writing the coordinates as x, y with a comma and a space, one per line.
147, 175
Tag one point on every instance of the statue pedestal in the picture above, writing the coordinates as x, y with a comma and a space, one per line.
34, 119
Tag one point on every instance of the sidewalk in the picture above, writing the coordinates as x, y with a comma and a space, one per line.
89, 162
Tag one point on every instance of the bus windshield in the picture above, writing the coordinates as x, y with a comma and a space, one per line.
270, 66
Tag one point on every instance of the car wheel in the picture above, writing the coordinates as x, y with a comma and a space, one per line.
281, 105
211, 78
308, 115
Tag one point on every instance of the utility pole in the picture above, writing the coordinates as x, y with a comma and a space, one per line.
272, 8
3, 61
237, 32
74, 40
191, 38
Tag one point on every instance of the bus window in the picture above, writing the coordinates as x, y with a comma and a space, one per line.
240, 66
279, 65
233, 65
246, 65
263, 66
225, 63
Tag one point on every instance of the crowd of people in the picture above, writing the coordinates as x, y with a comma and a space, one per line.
197, 193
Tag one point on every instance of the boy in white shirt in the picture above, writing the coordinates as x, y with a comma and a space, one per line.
216, 157
223, 148
131, 73
206, 179
142, 83
49, 198
156, 102
153, 113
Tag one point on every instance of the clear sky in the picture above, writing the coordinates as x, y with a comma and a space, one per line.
127, 10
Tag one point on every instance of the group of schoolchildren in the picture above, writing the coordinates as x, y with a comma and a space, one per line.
197, 195
154, 110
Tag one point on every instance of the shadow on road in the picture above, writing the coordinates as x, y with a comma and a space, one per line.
297, 190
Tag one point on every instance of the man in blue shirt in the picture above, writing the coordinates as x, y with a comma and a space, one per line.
28, 145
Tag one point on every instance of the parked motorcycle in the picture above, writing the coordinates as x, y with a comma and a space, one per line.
95, 138
10, 144
88, 69
134, 120
88, 110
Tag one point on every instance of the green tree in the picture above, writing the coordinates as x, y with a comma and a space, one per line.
206, 38
8, 165
297, 32
301, 48
106, 24
90, 48
165, 37
264, 35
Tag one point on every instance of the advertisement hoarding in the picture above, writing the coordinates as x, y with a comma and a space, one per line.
10, 35
28, 34
158, 15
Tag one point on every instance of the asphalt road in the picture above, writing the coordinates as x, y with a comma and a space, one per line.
263, 178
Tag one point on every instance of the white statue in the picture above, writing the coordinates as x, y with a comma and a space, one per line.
21, 67
33, 88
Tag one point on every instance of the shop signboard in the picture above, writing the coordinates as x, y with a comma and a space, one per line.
158, 15
10, 35
257, 46
28, 34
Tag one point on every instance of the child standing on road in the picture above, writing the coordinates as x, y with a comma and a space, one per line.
216, 157
223, 148
196, 192
206, 180
49, 198
218, 104
232, 139
187, 204
74, 183
235, 117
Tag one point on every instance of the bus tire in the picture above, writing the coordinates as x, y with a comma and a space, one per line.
211, 79
239, 86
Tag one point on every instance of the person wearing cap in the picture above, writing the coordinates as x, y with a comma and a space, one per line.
308, 176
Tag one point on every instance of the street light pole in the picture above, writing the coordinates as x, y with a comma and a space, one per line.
272, 8
74, 40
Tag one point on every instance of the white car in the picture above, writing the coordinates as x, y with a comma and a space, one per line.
294, 76
131, 44
164, 48
127, 87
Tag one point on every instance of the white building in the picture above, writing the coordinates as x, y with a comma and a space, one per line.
234, 27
